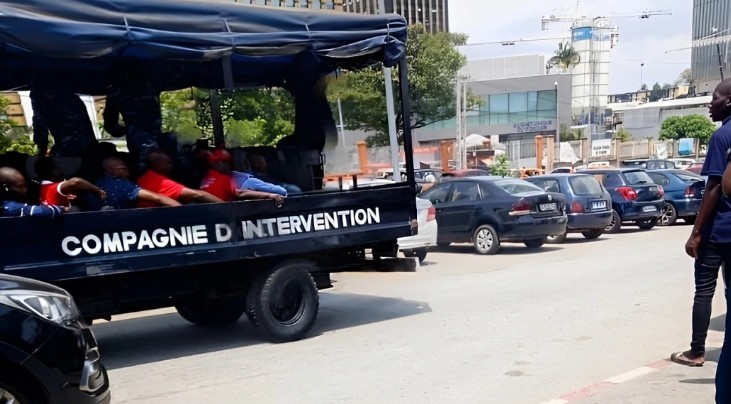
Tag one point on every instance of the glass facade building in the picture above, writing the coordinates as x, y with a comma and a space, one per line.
506, 109
711, 32
313, 4
433, 14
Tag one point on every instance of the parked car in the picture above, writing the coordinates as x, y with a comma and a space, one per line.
588, 204
47, 351
488, 211
696, 167
682, 163
411, 246
683, 194
427, 177
635, 197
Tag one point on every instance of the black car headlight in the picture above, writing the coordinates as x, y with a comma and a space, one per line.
54, 307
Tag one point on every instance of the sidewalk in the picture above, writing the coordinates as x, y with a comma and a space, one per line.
663, 382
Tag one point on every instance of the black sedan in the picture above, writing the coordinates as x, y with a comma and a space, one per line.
47, 352
487, 211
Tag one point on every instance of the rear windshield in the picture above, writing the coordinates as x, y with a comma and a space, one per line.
637, 178
688, 176
584, 185
518, 187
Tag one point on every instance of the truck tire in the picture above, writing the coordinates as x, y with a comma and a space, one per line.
283, 302
208, 312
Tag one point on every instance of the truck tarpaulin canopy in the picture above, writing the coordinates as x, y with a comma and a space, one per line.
192, 38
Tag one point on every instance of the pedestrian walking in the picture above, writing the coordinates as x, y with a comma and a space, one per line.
710, 241
723, 372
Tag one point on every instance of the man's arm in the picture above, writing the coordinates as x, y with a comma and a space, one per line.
111, 117
249, 194
197, 196
17, 209
162, 200
78, 185
726, 181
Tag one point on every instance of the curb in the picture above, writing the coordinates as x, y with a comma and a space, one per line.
610, 382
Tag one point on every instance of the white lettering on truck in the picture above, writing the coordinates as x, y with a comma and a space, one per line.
322, 221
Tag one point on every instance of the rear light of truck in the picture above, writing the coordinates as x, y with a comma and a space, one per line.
576, 207
431, 214
627, 193
522, 207
689, 192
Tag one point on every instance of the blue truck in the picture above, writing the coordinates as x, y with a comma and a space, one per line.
212, 262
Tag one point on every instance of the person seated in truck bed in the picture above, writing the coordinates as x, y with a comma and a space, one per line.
13, 196
157, 179
59, 192
121, 192
259, 169
219, 181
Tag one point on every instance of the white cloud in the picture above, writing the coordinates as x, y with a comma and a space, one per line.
640, 40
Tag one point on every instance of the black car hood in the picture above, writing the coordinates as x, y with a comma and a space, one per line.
9, 282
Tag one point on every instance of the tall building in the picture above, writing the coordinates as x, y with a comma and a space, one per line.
711, 38
433, 14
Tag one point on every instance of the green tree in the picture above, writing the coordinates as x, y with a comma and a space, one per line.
567, 135
687, 126
565, 57
433, 64
644, 87
501, 166
622, 135
656, 92
685, 78
12, 138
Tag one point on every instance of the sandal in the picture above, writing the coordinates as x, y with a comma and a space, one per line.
688, 359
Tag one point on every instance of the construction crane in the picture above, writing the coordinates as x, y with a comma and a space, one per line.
545, 20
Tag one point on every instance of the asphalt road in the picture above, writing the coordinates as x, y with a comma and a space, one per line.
520, 327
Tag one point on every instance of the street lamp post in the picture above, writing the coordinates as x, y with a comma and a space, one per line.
558, 120
392, 136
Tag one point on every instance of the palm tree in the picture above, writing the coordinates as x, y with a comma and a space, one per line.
566, 57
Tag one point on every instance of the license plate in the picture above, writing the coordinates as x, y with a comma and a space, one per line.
649, 209
653, 189
547, 207
599, 205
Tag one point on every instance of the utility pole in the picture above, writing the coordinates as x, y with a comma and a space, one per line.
458, 121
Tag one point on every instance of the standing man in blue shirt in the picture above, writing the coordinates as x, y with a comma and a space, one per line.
710, 241
723, 372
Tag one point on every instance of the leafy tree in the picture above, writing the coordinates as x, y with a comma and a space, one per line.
250, 117
644, 87
565, 57
667, 86
656, 92
622, 135
685, 77
433, 64
501, 166
567, 135
687, 126
13, 138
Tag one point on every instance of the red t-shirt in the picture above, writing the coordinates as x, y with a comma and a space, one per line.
160, 184
51, 194
220, 185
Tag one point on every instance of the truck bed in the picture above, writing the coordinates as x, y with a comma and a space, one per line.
95, 244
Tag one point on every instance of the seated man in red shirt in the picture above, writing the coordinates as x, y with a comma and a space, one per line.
219, 182
55, 190
155, 179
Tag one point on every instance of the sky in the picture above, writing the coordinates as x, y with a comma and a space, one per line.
655, 41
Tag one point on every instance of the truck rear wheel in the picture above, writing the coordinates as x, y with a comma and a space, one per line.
283, 302
211, 312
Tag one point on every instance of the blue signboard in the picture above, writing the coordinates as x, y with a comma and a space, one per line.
582, 34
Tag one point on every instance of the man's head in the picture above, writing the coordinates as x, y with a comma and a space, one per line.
720, 106
160, 163
220, 160
115, 167
257, 163
12, 183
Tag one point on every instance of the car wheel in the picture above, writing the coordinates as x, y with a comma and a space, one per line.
283, 302
646, 224
486, 240
420, 253
592, 234
557, 239
14, 389
535, 243
668, 215
689, 220
615, 225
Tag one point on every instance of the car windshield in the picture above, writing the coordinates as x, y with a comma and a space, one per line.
518, 187
584, 185
637, 178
